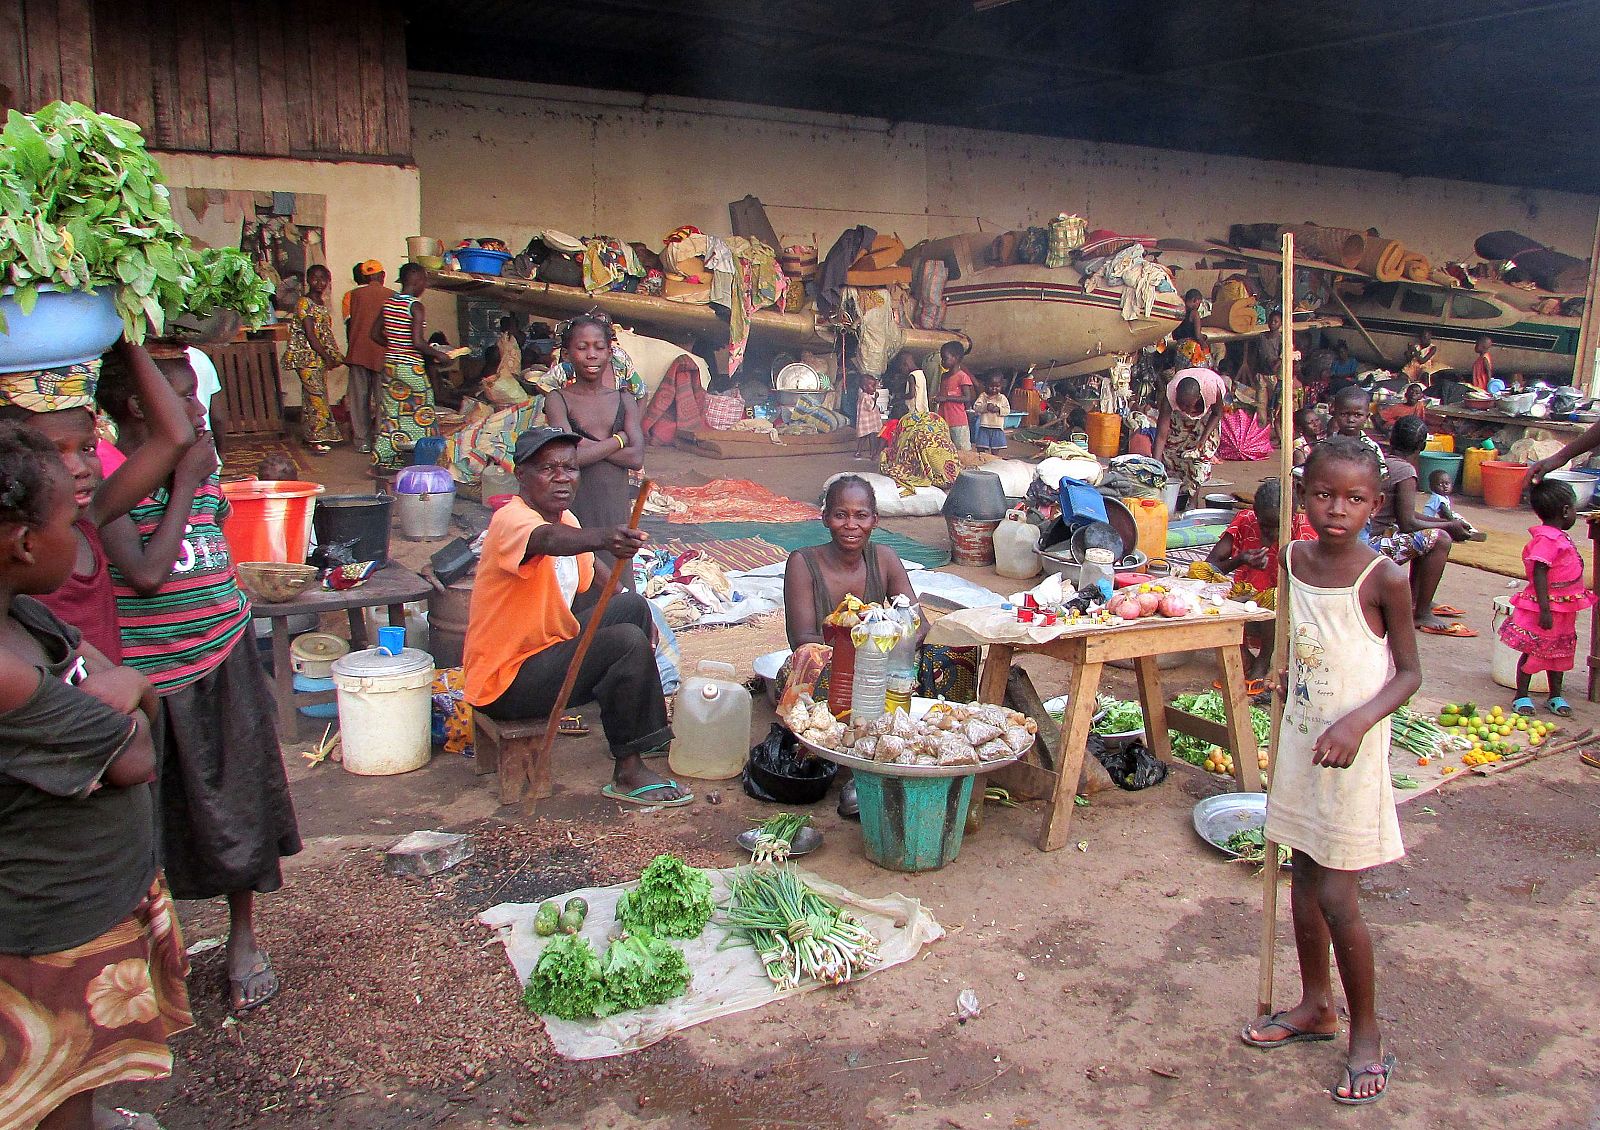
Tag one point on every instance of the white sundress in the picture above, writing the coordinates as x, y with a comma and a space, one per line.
1342, 818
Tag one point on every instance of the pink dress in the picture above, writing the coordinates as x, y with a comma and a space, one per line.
1551, 650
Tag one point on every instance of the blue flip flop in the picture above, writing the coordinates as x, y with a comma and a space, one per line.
1559, 706
1522, 706
640, 795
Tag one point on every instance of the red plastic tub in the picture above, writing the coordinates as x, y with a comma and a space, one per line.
270, 521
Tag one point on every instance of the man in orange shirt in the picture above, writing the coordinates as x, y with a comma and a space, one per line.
364, 356
522, 627
1482, 363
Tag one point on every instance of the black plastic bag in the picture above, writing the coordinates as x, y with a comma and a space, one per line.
780, 772
1133, 768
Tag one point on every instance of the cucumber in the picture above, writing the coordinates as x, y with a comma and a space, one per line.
548, 920
570, 922
577, 904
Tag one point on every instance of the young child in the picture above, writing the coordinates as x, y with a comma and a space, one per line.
1309, 431
1483, 362
92, 962
1352, 662
1248, 553
226, 815
1544, 616
957, 391
1352, 408
869, 420
276, 468
1438, 504
992, 408
59, 406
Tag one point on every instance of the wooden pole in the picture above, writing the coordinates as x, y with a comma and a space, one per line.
1280, 632
553, 724
1584, 376
1356, 322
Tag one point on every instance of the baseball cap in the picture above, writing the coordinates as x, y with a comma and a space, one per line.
370, 267
530, 442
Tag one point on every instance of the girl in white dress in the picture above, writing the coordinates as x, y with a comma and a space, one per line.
1352, 660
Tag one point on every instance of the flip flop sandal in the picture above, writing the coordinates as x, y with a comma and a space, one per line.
1590, 759
571, 726
1383, 1071
238, 985
640, 795
1523, 706
1447, 610
1559, 707
1460, 631
1295, 1035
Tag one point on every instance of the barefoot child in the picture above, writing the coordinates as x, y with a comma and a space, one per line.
991, 409
1248, 552
226, 816
92, 964
869, 419
1352, 662
1544, 616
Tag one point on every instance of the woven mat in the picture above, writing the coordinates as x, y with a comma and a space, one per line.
242, 457
789, 536
1502, 553
738, 555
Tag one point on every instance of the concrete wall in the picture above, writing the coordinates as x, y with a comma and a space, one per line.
507, 159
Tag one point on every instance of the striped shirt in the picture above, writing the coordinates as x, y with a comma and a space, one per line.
397, 329
189, 626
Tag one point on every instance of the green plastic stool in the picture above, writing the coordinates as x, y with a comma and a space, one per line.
912, 823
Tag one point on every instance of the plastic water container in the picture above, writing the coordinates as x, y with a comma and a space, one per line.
1503, 668
1016, 547
710, 724
385, 710
1150, 516
901, 679
424, 499
874, 640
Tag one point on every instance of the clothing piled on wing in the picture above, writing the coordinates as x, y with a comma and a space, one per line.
610, 264
683, 587
880, 315
737, 274
807, 416
1127, 269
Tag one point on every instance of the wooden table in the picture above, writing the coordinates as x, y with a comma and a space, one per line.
1054, 773
1491, 420
391, 586
1594, 616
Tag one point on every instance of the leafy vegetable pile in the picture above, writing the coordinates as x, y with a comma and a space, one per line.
775, 837
82, 207
1119, 718
1209, 705
1250, 845
672, 900
637, 971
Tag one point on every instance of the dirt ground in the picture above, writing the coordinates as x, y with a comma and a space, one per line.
1113, 975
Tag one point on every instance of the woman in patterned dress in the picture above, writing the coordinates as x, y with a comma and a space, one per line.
406, 412
312, 352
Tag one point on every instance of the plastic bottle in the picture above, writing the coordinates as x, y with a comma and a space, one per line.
711, 724
1016, 546
901, 681
874, 639
1097, 571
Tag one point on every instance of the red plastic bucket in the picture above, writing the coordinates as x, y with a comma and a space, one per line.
270, 521
1502, 484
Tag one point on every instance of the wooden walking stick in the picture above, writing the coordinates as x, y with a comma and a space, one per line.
589, 629
1280, 629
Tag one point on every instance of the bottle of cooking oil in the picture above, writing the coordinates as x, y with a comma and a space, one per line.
710, 724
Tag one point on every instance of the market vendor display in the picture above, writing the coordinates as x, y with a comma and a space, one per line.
523, 624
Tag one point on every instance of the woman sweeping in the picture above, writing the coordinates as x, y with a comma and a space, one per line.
312, 351
606, 420
405, 412
1187, 427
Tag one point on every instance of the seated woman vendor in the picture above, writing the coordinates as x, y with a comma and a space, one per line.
528, 609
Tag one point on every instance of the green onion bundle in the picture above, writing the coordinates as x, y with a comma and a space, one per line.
775, 838
796, 932
1420, 735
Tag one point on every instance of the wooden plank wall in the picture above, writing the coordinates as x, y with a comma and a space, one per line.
291, 78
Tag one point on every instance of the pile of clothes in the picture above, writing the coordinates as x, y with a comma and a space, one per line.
1118, 261
738, 274
685, 587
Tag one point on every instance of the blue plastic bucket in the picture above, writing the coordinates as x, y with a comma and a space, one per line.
912, 823
479, 260
69, 327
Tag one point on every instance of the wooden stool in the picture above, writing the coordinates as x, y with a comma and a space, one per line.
511, 748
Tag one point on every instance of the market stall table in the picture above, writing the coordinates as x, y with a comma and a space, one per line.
1459, 419
391, 586
1054, 773
1594, 617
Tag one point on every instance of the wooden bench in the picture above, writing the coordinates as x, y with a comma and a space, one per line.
252, 401
511, 749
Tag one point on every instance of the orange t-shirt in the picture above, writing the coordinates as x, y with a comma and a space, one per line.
517, 606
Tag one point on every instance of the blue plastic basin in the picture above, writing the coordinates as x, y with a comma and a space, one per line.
65, 328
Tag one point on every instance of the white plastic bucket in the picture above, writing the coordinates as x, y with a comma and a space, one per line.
1504, 668
426, 516
385, 702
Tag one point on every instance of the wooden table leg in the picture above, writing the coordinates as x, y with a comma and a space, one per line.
1081, 691
358, 629
1241, 734
996, 670
397, 615
282, 677
1154, 705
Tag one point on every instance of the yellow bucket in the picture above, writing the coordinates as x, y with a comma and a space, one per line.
1473, 460
1441, 442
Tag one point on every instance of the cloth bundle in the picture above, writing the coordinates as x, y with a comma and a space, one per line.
51, 390
807, 416
609, 264
683, 588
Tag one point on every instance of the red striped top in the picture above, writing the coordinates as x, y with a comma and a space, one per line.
397, 329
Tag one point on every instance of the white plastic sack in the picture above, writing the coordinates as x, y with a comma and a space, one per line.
1050, 471
725, 979
1016, 475
922, 502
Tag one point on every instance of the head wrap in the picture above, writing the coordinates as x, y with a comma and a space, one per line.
51, 390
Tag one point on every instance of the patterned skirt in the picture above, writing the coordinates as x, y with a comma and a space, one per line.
405, 412
93, 1015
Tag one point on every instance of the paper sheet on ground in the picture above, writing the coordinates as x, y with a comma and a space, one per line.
725, 980
971, 627
767, 583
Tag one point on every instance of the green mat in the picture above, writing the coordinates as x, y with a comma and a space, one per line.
792, 536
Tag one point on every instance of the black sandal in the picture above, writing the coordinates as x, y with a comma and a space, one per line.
1383, 1071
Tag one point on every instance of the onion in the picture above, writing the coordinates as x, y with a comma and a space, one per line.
1129, 610
1175, 605
1148, 603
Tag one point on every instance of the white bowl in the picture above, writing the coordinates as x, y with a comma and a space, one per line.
1582, 485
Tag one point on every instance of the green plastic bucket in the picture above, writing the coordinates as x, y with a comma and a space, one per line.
1430, 461
912, 823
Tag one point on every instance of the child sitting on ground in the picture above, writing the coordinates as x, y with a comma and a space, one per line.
991, 409
1438, 504
226, 815
277, 468
1309, 430
1352, 409
1248, 554
1352, 662
1544, 616
92, 963
869, 420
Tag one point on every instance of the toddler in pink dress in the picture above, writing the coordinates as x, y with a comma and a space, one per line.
1544, 616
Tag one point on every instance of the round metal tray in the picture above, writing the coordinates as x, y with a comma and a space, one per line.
808, 840
919, 707
1218, 817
